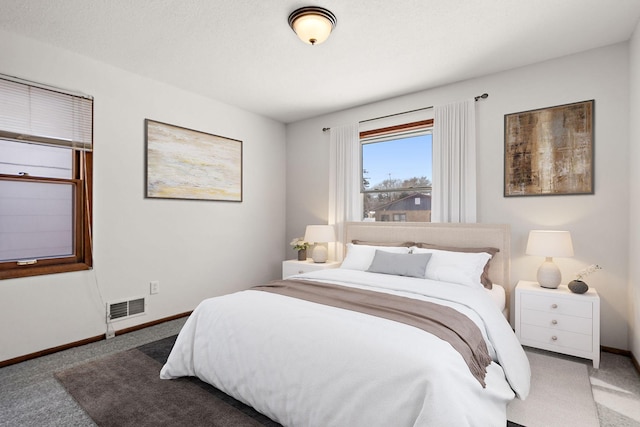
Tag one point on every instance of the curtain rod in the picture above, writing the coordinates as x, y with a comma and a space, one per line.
477, 98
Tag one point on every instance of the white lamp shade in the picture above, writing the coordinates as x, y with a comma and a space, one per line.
549, 243
320, 234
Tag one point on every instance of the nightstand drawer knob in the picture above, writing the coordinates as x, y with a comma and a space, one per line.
554, 322
554, 305
300, 271
554, 338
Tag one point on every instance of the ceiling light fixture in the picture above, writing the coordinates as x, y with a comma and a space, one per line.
312, 24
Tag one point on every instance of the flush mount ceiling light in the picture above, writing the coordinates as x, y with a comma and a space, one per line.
312, 24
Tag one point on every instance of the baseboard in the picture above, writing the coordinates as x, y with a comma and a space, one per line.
627, 353
152, 323
52, 350
90, 340
615, 351
635, 363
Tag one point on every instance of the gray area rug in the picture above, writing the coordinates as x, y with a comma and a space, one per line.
124, 389
560, 395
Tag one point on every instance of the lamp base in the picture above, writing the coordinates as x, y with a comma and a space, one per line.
319, 253
549, 274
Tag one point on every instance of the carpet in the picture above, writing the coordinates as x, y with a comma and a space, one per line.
560, 394
124, 389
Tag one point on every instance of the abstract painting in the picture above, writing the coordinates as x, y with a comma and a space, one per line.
549, 151
186, 164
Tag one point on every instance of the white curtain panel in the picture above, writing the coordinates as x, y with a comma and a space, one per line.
344, 182
454, 163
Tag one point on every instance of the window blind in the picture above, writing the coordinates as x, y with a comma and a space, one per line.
39, 115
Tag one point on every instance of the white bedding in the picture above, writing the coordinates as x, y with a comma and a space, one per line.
306, 364
498, 295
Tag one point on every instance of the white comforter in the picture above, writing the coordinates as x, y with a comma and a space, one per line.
306, 364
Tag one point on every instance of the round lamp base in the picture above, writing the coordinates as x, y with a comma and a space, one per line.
320, 253
549, 275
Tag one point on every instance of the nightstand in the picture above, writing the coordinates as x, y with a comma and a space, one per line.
293, 266
559, 320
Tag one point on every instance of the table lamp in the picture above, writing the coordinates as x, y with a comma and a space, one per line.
319, 235
549, 244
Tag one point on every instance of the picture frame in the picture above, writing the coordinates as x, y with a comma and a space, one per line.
186, 164
550, 151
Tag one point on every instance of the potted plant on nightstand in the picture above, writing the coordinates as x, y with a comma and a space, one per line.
578, 286
300, 245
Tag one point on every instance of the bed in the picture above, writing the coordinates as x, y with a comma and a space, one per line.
401, 334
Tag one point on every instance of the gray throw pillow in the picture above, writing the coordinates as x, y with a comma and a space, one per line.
412, 265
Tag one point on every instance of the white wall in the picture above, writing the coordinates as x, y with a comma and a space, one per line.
599, 223
196, 249
634, 195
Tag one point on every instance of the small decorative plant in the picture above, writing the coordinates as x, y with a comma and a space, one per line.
584, 273
299, 244
578, 286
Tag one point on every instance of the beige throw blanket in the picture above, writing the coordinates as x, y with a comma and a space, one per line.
444, 322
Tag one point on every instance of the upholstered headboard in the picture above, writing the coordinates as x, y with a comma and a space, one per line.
449, 234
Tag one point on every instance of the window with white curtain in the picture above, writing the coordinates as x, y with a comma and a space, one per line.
396, 172
46, 137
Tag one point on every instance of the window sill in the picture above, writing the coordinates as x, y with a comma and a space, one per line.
42, 270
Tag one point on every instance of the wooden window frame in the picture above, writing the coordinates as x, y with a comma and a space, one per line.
391, 130
83, 199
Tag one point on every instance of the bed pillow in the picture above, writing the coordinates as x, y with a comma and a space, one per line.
359, 257
396, 244
455, 267
412, 265
484, 278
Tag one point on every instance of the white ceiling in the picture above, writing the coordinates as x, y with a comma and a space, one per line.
243, 53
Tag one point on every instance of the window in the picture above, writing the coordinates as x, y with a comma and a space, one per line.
396, 172
45, 180
402, 217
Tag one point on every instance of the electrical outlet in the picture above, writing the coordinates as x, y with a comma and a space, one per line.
110, 334
154, 287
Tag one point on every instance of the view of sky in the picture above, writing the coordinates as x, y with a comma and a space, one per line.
397, 159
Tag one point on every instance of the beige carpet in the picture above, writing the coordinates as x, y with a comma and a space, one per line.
560, 395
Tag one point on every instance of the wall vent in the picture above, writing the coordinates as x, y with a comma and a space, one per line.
124, 309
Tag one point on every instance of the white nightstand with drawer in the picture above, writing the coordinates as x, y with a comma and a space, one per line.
293, 266
559, 320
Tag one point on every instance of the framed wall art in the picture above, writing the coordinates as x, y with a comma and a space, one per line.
186, 164
549, 151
